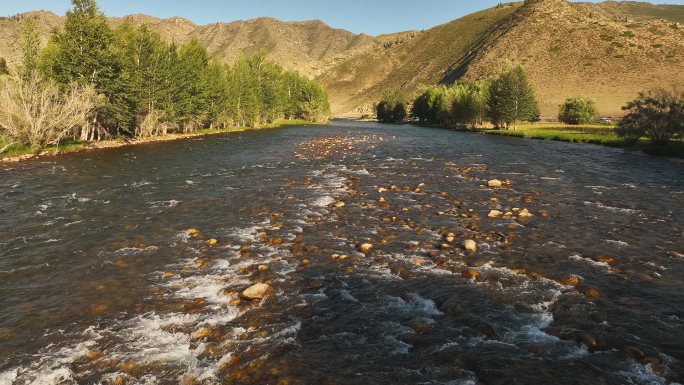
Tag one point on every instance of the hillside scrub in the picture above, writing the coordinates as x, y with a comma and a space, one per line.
151, 87
393, 107
578, 110
657, 115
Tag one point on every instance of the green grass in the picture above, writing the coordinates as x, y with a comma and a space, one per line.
628, 34
607, 37
657, 45
674, 26
634, 25
588, 64
594, 134
619, 56
554, 49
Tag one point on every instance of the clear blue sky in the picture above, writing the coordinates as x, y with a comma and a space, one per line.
373, 17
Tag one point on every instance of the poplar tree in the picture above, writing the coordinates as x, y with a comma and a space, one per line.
511, 97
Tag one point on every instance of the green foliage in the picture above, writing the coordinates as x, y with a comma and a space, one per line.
657, 45
674, 26
588, 64
152, 87
619, 56
393, 107
29, 44
511, 97
469, 104
628, 34
607, 37
3, 67
658, 115
578, 110
554, 49
633, 25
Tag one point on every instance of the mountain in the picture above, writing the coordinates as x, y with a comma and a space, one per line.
609, 50
639, 11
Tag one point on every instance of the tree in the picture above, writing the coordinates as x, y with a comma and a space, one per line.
423, 106
393, 107
35, 113
29, 43
658, 115
85, 53
578, 110
511, 97
3, 67
469, 104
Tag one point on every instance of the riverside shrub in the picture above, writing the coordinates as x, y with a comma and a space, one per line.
578, 110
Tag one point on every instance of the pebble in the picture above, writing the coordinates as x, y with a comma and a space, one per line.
591, 293
494, 183
470, 245
422, 327
315, 284
258, 291
494, 213
366, 247
587, 340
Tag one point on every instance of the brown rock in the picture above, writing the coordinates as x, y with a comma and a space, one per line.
470, 273
315, 284
422, 327
634, 352
366, 247
494, 183
568, 281
470, 245
258, 291
591, 293
587, 340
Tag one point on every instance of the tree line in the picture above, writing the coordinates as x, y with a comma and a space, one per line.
503, 100
129, 81
508, 98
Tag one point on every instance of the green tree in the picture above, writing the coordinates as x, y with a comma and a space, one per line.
29, 44
469, 104
578, 110
393, 107
423, 105
511, 97
85, 53
658, 115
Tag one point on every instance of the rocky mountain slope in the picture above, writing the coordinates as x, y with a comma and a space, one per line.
608, 50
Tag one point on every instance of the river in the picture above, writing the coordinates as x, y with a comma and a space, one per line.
124, 265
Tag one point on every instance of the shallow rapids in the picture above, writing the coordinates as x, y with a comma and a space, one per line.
125, 265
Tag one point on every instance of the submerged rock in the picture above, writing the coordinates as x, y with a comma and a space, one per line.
258, 291
568, 281
470, 273
494, 213
494, 183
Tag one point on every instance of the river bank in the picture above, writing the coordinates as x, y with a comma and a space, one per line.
592, 134
20, 154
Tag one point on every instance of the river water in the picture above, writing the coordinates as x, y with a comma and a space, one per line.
123, 266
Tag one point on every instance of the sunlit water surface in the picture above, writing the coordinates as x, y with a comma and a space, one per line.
101, 282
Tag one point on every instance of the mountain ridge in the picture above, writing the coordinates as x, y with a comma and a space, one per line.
609, 50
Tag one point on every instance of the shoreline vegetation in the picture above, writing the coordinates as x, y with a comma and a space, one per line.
94, 83
600, 134
18, 152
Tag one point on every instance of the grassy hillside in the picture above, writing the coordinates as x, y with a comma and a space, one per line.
568, 49
639, 11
